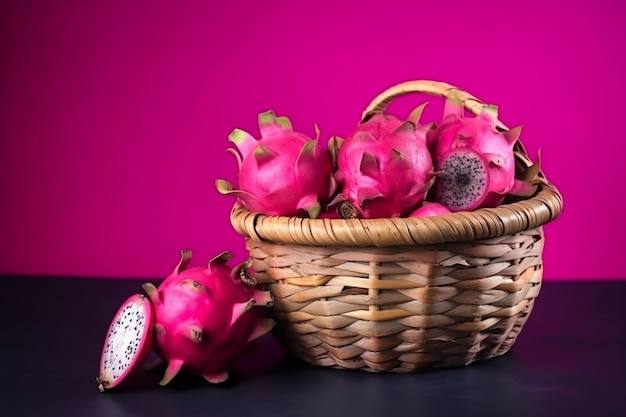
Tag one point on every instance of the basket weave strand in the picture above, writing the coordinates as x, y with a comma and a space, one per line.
403, 294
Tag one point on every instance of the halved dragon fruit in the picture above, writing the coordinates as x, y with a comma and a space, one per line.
284, 173
128, 342
475, 162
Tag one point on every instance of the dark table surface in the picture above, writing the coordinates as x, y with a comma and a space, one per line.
568, 361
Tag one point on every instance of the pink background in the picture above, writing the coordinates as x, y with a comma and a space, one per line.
114, 115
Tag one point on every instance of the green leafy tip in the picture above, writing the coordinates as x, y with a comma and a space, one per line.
267, 118
416, 114
284, 123
238, 136
223, 186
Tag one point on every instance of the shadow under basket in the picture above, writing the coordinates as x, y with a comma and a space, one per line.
403, 294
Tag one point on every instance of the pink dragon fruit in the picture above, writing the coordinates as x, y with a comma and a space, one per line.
474, 161
128, 342
205, 317
284, 173
430, 208
384, 168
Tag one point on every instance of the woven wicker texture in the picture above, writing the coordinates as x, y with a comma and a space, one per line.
403, 294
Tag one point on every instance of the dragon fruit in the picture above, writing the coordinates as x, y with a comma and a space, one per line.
205, 317
430, 208
475, 162
283, 173
128, 342
384, 168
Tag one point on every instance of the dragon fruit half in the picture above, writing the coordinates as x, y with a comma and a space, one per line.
283, 173
205, 317
128, 342
384, 168
474, 161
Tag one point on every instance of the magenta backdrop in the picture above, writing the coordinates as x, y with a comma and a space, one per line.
114, 115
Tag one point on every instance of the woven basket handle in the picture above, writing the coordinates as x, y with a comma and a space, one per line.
434, 88
440, 89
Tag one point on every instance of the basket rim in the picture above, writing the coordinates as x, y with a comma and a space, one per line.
485, 223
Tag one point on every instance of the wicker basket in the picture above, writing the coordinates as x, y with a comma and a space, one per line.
403, 294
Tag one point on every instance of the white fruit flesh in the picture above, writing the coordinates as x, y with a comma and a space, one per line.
126, 342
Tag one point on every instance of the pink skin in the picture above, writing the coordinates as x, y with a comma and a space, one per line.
204, 318
285, 173
457, 132
384, 168
429, 208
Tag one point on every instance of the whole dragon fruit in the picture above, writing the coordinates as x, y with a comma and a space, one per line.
384, 168
205, 317
474, 161
284, 173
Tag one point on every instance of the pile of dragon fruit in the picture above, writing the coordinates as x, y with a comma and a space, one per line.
386, 167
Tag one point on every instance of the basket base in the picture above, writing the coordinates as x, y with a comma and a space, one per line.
401, 309
405, 357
